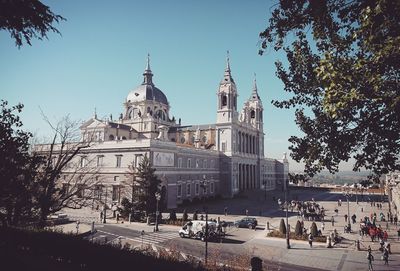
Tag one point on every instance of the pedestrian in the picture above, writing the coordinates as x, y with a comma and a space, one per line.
77, 226
101, 216
370, 258
395, 219
310, 239
398, 234
345, 218
226, 211
362, 209
385, 256
333, 221
322, 225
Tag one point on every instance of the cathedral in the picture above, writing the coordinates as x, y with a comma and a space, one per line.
192, 161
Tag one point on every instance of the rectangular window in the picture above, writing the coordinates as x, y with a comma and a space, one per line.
65, 189
189, 163
179, 162
223, 146
211, 188
179, 190
138, 160
80, 193
100, 160
197, 163
97, 192
83, 161
188, 189
205, 164
116, 178
196, 188
115, 193
212, 164
119, 158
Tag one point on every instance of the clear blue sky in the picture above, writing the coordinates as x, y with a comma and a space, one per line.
101, 56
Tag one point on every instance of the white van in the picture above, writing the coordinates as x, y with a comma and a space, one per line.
197, 229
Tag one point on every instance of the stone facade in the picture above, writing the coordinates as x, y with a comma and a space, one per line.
228, 156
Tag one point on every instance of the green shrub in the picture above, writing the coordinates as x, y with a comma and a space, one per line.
314, 229
195, 215
298, 230
282, 227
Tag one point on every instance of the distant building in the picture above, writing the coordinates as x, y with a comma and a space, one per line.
227, 156
392, 187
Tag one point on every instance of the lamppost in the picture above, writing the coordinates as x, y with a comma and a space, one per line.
347, 194
158, 197
265, 188
105, 208
287, 218
203, 184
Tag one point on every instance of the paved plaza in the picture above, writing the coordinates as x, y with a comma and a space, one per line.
343, 256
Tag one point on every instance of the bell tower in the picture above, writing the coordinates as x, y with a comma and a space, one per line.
227, 97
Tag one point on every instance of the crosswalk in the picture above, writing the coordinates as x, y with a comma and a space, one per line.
148, 238
155, 237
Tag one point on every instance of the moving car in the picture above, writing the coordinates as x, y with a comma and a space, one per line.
196, 229
247, 222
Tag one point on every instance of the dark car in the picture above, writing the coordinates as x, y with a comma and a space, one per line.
247, 222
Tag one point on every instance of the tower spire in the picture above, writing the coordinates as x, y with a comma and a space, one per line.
228, 67
95, 113
254, 94
227, 73
147, 80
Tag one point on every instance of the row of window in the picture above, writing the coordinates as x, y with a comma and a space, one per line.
206, 188
198, 163
98, 192
118, 160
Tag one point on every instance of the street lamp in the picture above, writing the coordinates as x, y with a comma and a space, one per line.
158, 197
347, 194
265, 188
203, 184
287, 218
105, 208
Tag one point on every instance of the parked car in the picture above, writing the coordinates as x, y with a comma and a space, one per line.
247, 222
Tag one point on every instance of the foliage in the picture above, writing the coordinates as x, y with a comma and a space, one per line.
185, 215
27, 19
41, 250
17, 168
126, 208
314, 229
292, 235
298, 229
282, 227
147, 184
296, 178
343, 73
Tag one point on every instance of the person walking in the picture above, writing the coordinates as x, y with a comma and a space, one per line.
310, 239
345, 218
385, 256
370, 259
333, 221
322, 225
398, 234
226, 211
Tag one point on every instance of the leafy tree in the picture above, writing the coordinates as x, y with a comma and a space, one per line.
17, 168
343, 75
27, 19
298, 229
296, 178
126, 207
282, 227
147, 186
314, 229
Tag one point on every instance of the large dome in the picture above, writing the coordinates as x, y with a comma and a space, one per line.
147, 92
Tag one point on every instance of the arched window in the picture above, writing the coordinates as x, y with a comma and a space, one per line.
224, 100
111, 137
182, 140
252, 114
